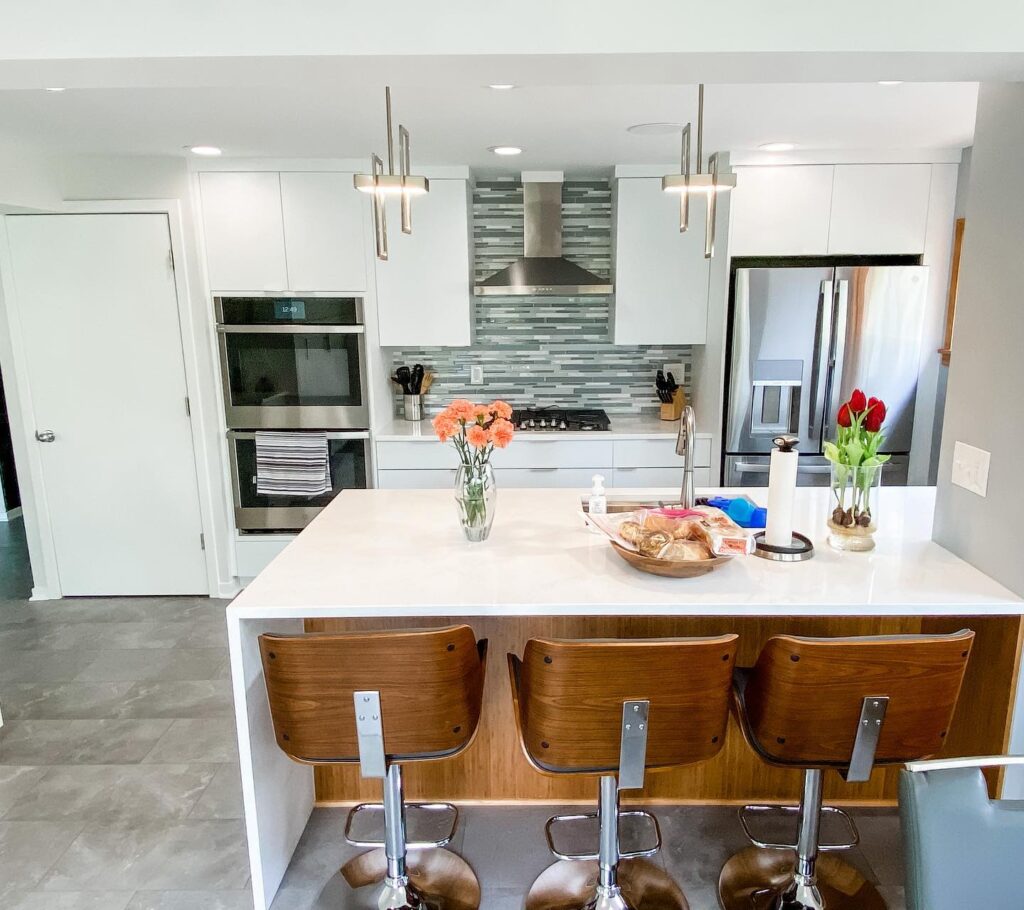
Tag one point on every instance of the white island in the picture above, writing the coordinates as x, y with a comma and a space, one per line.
387, 556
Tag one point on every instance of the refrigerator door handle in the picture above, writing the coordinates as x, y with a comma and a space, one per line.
819, 365
835, 372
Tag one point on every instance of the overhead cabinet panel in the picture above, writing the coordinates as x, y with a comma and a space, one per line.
661, 275
244, 231
325, 240
424, 287
879, 208
781, 211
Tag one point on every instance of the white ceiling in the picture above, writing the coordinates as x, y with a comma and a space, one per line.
578, 128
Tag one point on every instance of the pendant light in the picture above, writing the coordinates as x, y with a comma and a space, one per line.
699, 183
381, 185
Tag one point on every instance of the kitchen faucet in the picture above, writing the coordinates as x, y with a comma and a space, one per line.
684, 447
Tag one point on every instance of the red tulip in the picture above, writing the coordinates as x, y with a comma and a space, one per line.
858, 401
875, 416
845, 418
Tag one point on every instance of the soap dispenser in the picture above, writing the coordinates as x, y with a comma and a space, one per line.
598, 503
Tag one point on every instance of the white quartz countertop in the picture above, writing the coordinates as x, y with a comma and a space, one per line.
623, 426
402, 553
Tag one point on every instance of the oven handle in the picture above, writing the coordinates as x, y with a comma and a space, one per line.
304, 329
330, 434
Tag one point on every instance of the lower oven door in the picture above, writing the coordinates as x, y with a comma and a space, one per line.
347, 456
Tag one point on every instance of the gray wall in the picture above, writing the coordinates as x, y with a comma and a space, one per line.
986, 373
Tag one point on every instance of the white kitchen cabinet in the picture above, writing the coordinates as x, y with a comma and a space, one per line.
324, 232
244, 229
659, 453
781, 210
661, 275
879, 208
417, 479
671, 478
424, 288
549, 451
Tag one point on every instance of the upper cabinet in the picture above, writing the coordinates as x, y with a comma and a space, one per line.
424, 287
817, 210
294, 232
879, 208
781, 211
661, 275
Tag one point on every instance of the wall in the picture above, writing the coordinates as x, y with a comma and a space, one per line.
986, 373
546, 350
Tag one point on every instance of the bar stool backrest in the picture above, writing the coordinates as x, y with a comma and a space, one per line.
803, 699
570, 698
430, 684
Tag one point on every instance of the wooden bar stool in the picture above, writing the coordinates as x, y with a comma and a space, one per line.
384, 699
613, 709
844, 703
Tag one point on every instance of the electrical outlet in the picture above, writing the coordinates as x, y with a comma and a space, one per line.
676, 369
476, 375
970, 468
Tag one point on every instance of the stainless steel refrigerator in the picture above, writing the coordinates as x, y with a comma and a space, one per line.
801, 340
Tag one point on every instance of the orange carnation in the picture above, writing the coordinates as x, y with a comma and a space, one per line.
445, 426
502, 408
462, 409
501, 433
477, 436
481, 413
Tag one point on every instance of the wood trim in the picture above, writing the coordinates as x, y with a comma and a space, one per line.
954, 284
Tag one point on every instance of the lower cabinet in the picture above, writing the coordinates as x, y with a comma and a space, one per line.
626, 478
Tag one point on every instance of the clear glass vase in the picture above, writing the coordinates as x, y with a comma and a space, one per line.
476, 496
853, 518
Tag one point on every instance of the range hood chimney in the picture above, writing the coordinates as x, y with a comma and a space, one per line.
542, 271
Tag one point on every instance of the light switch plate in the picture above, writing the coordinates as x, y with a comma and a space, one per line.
970, 468
476, 375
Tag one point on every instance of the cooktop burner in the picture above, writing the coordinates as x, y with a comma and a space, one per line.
559, 419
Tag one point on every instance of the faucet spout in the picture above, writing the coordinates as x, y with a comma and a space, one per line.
684, 446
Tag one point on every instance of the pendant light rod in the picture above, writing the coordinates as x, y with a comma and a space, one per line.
391, 140
700, 127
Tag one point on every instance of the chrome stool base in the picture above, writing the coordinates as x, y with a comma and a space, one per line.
573, 885
437, 880
759, 878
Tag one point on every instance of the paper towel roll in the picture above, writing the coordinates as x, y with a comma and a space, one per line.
778, 530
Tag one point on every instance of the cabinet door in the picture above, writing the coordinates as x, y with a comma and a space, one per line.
879, 208
661, 276
244, 231
324, 232
423, 289
781, 211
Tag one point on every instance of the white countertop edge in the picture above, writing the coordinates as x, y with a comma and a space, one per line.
623, 426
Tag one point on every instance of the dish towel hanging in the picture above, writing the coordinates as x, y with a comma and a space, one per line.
292, 464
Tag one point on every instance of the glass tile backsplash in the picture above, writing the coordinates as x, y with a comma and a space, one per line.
545, 350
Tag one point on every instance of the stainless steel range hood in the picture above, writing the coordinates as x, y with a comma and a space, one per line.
542, 271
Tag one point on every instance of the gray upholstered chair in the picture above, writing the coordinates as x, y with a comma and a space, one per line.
962, 848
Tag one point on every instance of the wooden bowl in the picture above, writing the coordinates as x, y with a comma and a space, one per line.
670, 568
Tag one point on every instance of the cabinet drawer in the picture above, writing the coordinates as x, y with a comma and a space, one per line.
671, 478
416, 455
555, 453
581, 478
659, 453
438, 479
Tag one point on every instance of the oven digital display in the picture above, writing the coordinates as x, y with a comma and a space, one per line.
289, 310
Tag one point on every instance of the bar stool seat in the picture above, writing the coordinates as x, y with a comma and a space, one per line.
849, 704
384, 699
614, 709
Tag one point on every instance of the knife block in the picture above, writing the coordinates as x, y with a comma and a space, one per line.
674, 410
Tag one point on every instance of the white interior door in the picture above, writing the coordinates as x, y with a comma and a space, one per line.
96, 299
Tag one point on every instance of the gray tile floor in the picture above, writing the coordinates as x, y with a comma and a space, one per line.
119, 778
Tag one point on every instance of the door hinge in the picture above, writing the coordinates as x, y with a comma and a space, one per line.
202, 541
188, 407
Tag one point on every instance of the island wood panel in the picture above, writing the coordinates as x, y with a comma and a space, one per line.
494, 768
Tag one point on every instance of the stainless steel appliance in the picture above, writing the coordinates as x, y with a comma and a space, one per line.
348, 459
560, 419
802, 338
289, 363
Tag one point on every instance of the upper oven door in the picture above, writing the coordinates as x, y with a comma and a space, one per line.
296, 364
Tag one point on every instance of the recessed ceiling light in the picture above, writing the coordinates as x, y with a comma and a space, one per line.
54, 89
506, 149
777, 146
501, 86
654, 129
207, 151
890, 82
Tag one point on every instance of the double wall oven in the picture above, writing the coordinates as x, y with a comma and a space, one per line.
294, 364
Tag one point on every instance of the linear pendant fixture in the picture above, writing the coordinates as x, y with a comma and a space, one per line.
381, 184
686, 183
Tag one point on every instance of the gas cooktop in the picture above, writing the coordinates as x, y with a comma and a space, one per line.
560, 419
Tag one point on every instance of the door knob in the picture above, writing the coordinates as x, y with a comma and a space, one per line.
45, 435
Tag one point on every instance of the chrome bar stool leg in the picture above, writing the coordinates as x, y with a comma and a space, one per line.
396, 893
609, 894
804, 891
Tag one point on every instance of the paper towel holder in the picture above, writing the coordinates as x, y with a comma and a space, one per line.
800, 548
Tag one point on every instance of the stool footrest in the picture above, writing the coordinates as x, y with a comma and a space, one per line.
557, 821
372, 814
747, 813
